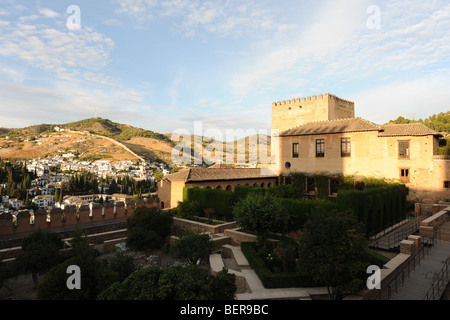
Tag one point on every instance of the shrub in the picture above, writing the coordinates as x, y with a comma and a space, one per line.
268, 278
261, 214
148, 228
192, 247
188, 209
173, 283
219, 200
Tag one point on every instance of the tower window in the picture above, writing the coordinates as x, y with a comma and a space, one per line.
447, 184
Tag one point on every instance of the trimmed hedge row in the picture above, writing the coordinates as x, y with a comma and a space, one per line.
376, 208
273, 280
299, 211
223, 201
219, 200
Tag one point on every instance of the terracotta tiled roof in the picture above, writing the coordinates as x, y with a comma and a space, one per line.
332, 126
359, 125
411, 129
211, 174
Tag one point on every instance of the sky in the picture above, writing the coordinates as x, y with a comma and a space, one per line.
170, 65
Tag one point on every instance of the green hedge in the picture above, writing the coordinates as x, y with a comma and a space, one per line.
269, 279
376, 208
300, 210
219, 200
223, 201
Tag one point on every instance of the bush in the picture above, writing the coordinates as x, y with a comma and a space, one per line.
188, 209
173, 283
261, 214
299, 211
148, 228
192, 247
270, 279
219, 200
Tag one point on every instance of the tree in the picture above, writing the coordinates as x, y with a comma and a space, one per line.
192, 247
158, 175
173, 283
188, 209
261, 214
333, 251
123, 264
148, 228
95, 275
41, 251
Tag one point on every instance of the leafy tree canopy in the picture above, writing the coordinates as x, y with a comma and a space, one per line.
173, 283
333, 251
148, 228
261, 214
192, 247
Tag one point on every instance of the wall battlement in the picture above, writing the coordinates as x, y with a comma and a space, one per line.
29, 221
326, 96
288, 114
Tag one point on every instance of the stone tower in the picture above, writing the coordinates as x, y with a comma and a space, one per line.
296, 112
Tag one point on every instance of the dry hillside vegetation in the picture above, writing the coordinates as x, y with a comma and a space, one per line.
63, 142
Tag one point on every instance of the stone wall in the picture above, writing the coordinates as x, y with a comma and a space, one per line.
183, 224
28, 221
429, 227
412, 245
237, 237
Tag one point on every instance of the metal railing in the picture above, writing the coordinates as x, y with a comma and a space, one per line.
388, 228
399, 276
397, 236
440, 282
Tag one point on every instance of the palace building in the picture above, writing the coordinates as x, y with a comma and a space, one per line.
321, 134
222, 177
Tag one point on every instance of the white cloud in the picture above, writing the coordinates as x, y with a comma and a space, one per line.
224, 18
48, 13
287, 62
139, 10
67, 54
337, 47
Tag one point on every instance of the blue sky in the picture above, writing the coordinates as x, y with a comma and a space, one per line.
164, 64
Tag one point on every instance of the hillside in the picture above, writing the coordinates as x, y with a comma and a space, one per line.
117, 131
98, 138
58, 143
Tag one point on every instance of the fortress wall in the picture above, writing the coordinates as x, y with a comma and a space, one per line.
111, 212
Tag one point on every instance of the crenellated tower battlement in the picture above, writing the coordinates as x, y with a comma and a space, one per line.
288, 114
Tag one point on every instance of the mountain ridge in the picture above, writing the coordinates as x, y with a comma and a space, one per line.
141, 143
